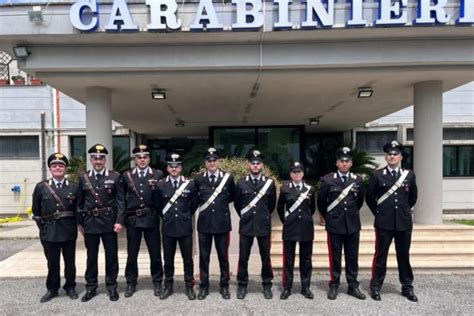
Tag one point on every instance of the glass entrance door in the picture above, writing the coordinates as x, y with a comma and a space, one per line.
281, 145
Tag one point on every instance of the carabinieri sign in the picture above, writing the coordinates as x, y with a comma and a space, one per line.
250, 15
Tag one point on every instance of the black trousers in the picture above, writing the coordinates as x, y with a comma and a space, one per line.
222, 248
52, 252
306, 264
169, 250
153, 242
245, 245
92, 242
383, 239
351, 256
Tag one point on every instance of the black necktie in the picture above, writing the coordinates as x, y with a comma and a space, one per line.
255, 181
394, 174
175, 184
298, 187
344, 179
97, 177
213, 179
142, 174
58, 185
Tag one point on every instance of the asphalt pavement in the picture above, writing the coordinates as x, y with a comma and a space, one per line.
438, 295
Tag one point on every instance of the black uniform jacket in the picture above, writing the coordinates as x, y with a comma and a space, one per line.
345, 217
215, 219
395, 213
44, 204
257, 221
177, 221
109, 189
298, 225
147, 189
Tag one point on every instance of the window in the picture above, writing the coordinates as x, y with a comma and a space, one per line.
121, 149
19, 147
373, 142
450, 133
458, 161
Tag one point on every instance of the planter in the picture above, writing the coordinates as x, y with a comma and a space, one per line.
19, 82
36, 82
4, 82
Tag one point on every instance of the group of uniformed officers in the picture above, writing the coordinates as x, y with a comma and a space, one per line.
145, 203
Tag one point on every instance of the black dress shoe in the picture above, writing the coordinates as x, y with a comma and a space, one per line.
267, 292
203, 292
307, 293
88, 296
190, 293
113, 295
158, 290
375, 295
356, 293
225, 292
48, 296
130, 290
241, 292
167, 292
410, 295
285, 294
72, 294
332, 294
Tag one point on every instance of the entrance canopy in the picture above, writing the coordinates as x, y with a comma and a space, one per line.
228, 77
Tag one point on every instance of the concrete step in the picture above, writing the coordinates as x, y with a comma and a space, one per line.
449, 246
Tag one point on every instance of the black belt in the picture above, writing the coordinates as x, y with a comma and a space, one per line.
141, 211
57, 215
99, 211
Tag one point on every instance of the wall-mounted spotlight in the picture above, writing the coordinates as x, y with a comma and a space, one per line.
158, 94
21, 52
314, 121
365, 92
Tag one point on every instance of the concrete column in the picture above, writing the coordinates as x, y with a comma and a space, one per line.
99, 120
428, 151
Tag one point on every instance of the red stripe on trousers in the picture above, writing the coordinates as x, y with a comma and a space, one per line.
374, 261
330, 258
283, 278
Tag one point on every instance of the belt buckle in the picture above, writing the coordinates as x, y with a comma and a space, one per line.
56, 215
139, 212
95, 212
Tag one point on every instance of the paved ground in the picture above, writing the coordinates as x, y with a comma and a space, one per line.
439, 295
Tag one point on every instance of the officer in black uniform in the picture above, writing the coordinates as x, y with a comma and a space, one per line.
296, 206
54, 209
339, 201
215, 191
177, 203
140, 215
100, 192
391, 196
255, 200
